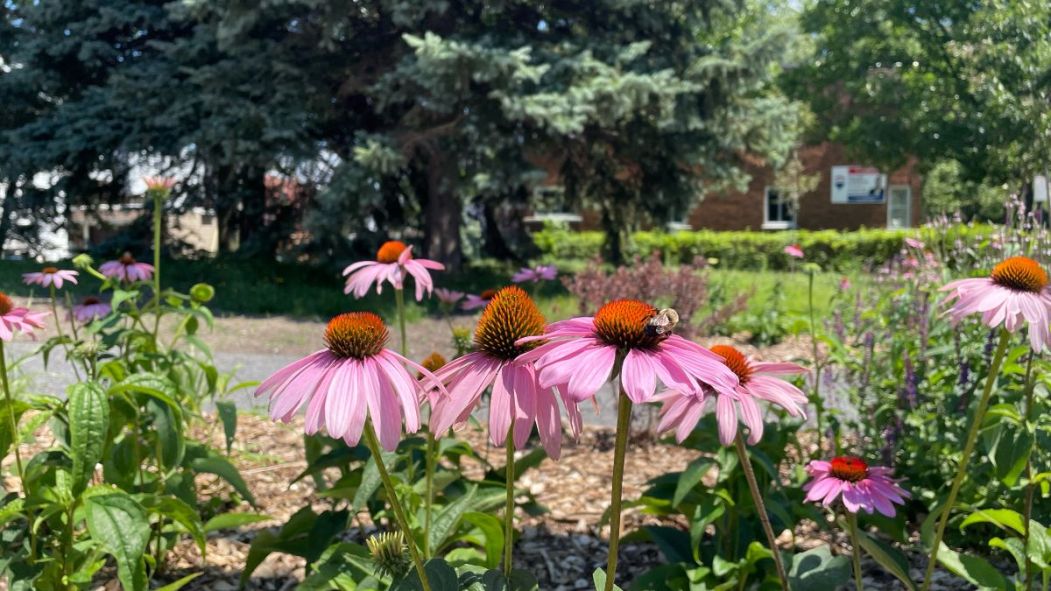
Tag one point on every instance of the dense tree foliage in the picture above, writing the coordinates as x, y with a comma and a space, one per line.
940, 80
393, 117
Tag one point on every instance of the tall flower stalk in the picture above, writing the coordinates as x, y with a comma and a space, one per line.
1015, 294
631, 343
620, 448
855, 549
509, 502
760, 508
392, 497
158, 188
1030, 489
965, 457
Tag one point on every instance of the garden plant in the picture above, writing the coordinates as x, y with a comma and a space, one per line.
910, 430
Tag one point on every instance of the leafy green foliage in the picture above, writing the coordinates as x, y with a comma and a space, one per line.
832, 250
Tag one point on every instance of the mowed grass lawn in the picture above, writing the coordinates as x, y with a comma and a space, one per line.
266, 288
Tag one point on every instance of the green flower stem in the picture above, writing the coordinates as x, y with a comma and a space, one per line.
760, 508
392, 497
399, 301
1027, 510
819, 404
13, 425
968, 450
509, 504
619, 450
158, 211
855, 549
431, 460
61, 333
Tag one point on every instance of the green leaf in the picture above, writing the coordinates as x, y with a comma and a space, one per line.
818, 570
180, 512
888, 556
690, 477
673, 543
973, 569
88, 427
6, 437
169, 433
175, 586
233, 521
599, 577
492, 535
120, 525
370, 482
220, 466
1003, 518
441, 576
447, 520
11, 511
228, 415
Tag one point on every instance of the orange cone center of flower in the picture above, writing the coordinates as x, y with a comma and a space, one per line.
510, 315
433, 362
127, 259
849, 468
623, 323
49, 270
91, 301
6, 305
488, 294
735, 360
390, 251
1020, 274
355, 334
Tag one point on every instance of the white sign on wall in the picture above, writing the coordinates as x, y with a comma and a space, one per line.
858, 184
1040, 188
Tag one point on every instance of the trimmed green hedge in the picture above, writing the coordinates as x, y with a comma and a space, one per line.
833, 250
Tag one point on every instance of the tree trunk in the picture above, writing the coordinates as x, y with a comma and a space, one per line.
5, 214
223, 191
252, 223
442, 215
614, 246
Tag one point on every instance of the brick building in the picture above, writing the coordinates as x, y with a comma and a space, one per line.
761, 206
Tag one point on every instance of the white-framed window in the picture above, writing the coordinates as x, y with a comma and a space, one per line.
778, 211
899, 206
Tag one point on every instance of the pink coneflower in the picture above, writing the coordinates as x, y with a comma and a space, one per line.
159, 183
393, 261
1015, 293
49, 276
535, 274
448, 297
352, 379
517, 399
126, 268
794, 250
683, 409
17, 319
844, 284
473, 302
914, 243
90, 308
861, 487
582, 352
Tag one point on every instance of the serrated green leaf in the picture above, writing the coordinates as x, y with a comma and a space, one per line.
690, 478
88, 429
221, 467
1003, 518
818, 570
492, 535
448, 519
233, 521
973, 569
228, 415
120, 525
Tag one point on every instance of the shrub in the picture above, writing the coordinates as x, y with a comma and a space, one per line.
833, 250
